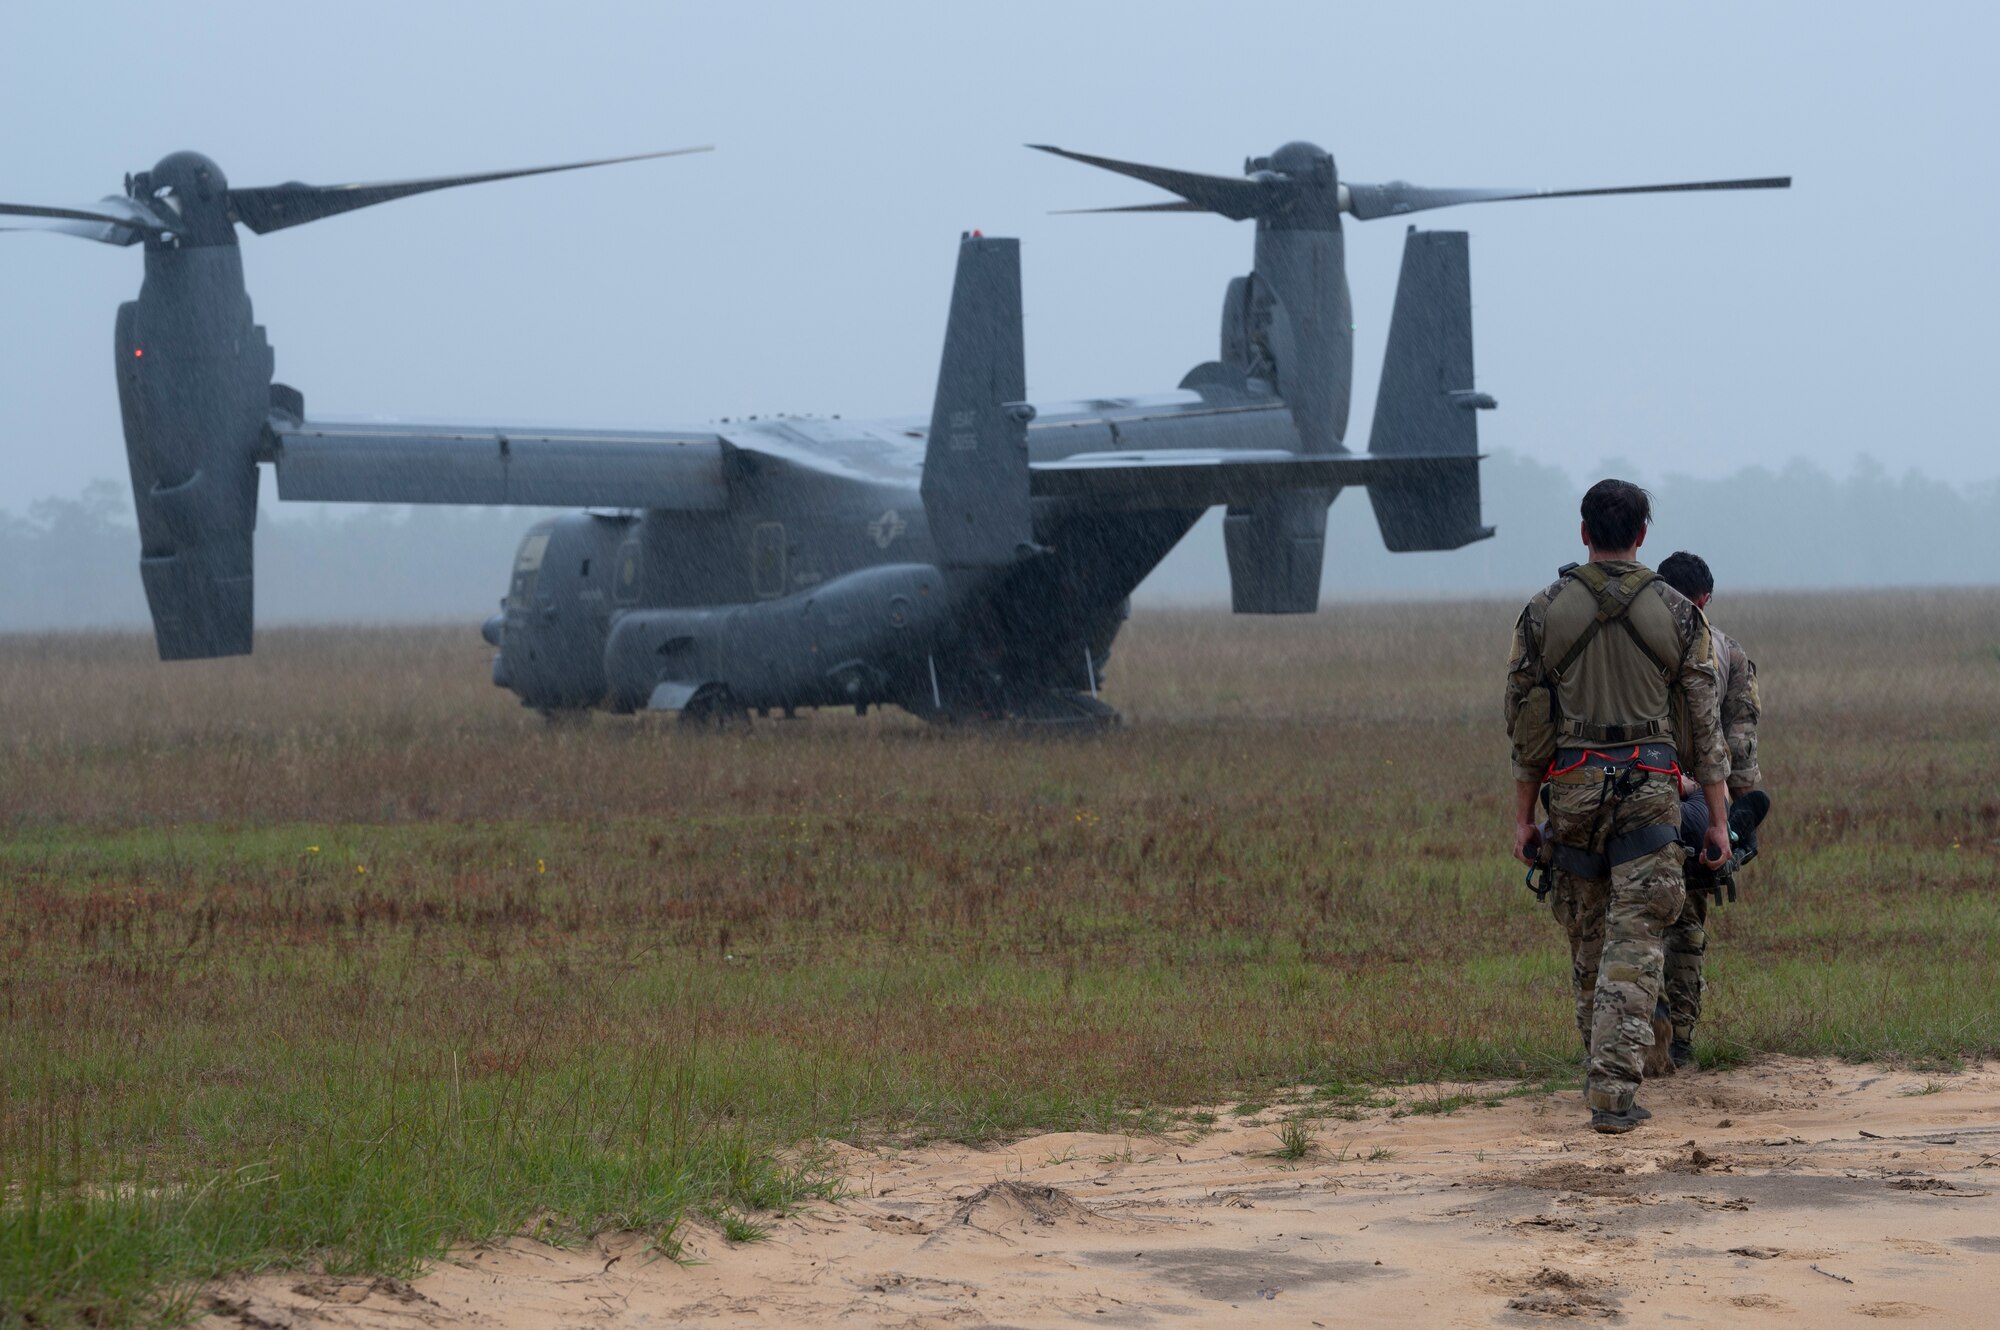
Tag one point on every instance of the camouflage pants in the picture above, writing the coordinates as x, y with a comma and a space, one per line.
1616, 928
1687, 944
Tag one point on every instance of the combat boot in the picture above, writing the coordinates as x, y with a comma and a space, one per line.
1614, 1124
1635, 1111
1682, 1052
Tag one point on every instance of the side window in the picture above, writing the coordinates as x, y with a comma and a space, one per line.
767, 560
625, 588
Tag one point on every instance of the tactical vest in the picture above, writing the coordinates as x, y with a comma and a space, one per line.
1610, 645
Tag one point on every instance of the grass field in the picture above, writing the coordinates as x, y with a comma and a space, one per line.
333, 957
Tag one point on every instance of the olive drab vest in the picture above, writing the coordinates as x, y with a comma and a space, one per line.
1611, 648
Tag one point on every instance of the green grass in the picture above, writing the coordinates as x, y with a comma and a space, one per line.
330, 960
1442, 1104
1296, 1138
1352, 1096
735, 1228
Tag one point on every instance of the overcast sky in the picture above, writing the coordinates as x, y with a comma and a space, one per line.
805, 265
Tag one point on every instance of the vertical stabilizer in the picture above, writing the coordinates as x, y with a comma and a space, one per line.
975, 485
1427, 406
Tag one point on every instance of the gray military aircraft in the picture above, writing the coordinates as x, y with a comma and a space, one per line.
975, 565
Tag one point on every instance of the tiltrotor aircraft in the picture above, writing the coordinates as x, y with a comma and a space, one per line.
976, 565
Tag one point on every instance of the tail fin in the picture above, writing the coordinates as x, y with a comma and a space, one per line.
1426, 403
975, 485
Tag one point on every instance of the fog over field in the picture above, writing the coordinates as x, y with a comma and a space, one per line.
73, 563
804, 266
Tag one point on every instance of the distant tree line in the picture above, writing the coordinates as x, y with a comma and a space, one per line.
73, 563
1761, 529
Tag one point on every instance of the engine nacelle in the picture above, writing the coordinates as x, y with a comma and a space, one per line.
194, 388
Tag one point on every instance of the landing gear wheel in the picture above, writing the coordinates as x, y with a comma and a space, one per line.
715, 710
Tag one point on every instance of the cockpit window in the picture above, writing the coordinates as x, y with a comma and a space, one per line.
527, 568
533, 549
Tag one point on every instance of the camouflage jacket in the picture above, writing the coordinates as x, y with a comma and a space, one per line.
1741, 709
1692, 679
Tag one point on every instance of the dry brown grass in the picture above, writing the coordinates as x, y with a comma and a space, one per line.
344, 892
1225, 713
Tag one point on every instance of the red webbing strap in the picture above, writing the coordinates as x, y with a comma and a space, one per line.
1632, 759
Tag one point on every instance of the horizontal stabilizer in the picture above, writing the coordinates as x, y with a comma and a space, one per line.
364, 463
1193, 478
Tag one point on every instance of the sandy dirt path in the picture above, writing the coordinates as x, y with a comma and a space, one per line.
1797, 1193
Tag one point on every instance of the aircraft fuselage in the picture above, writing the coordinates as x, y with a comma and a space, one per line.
819, 584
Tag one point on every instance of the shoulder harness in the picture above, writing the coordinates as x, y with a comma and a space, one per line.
1614, 600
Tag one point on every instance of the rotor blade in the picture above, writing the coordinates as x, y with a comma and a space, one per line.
267, 208
1236, 198
1178, 205
102, 224
1400, 196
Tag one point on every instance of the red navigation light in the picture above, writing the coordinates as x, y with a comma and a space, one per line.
136, 353
977, 234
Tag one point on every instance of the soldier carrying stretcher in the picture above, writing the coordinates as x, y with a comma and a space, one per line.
1612, 693
1687, 937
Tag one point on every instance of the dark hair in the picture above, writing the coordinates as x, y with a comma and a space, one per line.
1687, 574
1615, 512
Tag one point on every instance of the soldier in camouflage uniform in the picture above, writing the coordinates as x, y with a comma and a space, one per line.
1687, 939
1605, 662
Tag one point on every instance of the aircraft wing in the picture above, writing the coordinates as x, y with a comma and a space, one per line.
460, 464
1189, 478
